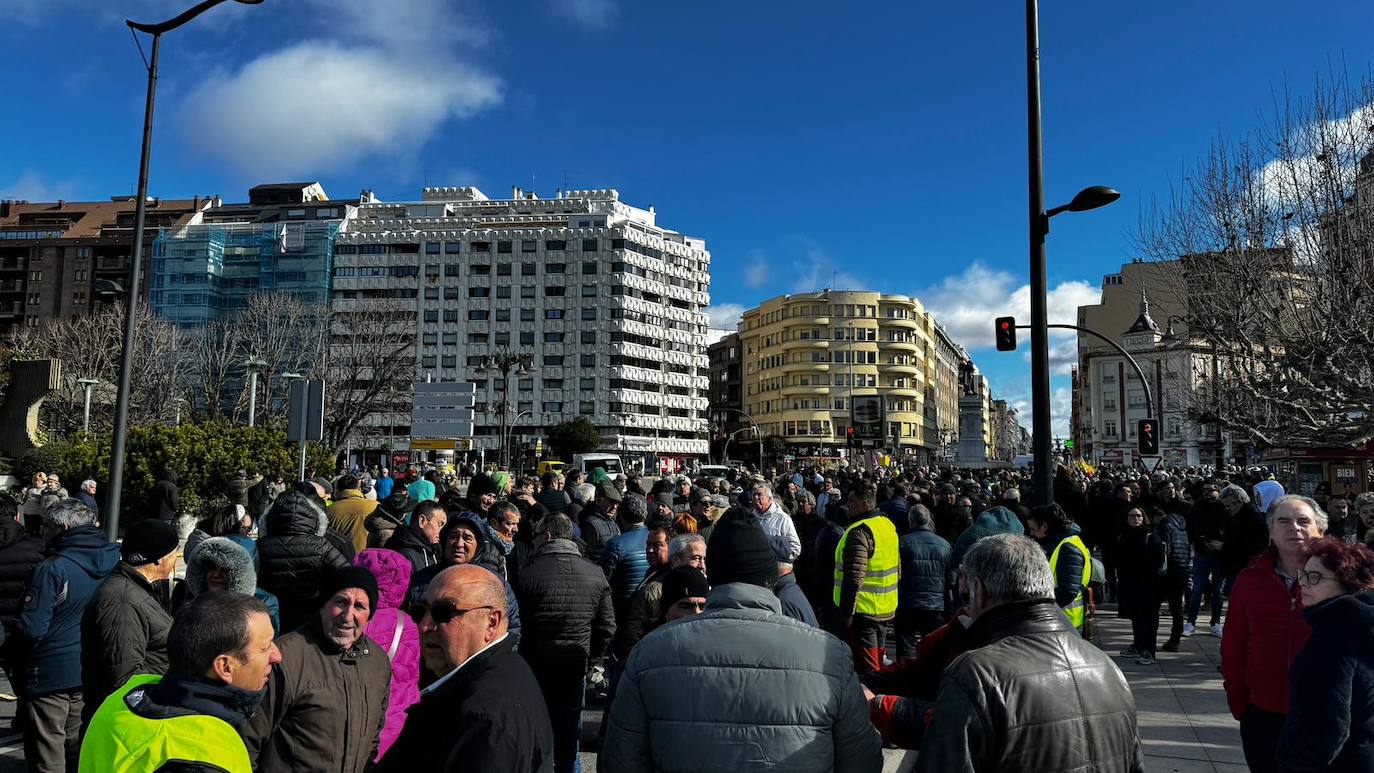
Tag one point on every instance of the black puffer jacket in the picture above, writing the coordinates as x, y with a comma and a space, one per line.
19, 554
1330, 723
1031, 694
123, 633
411, 544
296, 555
565, 608
1173, 532
597, 530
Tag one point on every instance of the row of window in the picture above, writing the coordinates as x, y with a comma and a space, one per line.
503, 247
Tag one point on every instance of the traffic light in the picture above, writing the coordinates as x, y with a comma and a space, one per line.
1147, 437
1006, 334
849, 437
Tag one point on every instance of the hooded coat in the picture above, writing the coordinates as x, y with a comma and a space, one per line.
166, 496
1068, 574
229, 555
296, 556
396, 634
994, 520
19, 554
54, 602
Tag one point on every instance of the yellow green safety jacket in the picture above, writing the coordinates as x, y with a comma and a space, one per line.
120, 740
878, 595
1076, 609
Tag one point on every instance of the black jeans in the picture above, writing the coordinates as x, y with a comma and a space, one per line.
911, 625
1259, 737
1145, 629
1175, 589
564, 695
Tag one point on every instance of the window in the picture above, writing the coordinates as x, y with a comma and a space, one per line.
555, 245
529, 269
503, 339
503, 315
586, 384
553, 338
586, 407
477, 338
553, 314
449, 361
451, 269
432, 315
481, 246
554, 291
429, 339
450, 315
587, 361
428, 361
35, 276
588, 291
503, 269
431, 248
451, 248
527, 315
481, 269
550, 407
553, 383
295, 213
527, 338
527, 291
450, 293
589, 245
432, 269
503, 247
589, 313
450, 339
431, 293
479, 292
476, 315
555, 268
1109, 428
503, 292
553, 360
528, 245
588, 336
589, 267
524, 384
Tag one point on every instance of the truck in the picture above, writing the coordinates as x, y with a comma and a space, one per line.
609, 462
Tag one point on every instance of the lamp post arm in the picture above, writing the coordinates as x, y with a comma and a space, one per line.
176, 21
1140, 374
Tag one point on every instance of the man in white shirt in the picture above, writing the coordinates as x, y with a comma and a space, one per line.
485, 712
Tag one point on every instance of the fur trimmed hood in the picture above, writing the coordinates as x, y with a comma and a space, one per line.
222, 553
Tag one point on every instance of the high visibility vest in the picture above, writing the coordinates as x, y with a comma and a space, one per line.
1076, 609
120, 741
878, 595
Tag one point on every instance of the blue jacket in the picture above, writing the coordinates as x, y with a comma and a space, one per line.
54, 603
896, 511
384, 486
794, 603
925, 558
1173, 532
994, 520
625, 564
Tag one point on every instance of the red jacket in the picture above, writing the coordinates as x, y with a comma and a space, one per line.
1264, 633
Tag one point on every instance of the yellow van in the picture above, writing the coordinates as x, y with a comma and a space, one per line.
551, 466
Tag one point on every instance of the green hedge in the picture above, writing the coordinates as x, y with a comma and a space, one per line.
205, 457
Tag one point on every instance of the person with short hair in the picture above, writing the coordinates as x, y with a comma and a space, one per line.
1030, 693
349, 511
326, 703
597, 519
1331, 681
624, 560
221, 656
1070, 561
1265, 628
866, 578
485, 712
48, 633
418, 540
926, 566
125, 628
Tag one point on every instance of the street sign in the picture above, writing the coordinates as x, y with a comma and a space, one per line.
442, 411
866, 417
305, 417
432, 444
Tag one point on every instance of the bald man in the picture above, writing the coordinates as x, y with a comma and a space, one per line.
485, 691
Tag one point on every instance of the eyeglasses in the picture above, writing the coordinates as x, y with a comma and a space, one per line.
1310, 579
442, 612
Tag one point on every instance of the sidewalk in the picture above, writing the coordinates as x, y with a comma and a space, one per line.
1185, 726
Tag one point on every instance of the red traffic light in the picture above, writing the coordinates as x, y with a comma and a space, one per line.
1006, 334
1147, 442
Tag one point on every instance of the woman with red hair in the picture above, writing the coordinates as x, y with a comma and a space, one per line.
1330, 723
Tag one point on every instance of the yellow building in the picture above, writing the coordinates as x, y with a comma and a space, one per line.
808, 356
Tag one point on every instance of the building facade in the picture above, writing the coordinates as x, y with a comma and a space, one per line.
52, 255
608, 304
950, 360
726, 394
808, 356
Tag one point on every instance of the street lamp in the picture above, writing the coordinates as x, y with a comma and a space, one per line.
1088, 198
87, 384
758, 433
126, 361
253, 364
505, 361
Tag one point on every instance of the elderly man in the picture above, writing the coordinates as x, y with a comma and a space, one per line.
87, 496
569, 621
48, 633
1247, 534
777, 524
1031, 693
124, 631
925, 559
741, 687
326, 703
418, 540
486, 711
665, 552
222, 655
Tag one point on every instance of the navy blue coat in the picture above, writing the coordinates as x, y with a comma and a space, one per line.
1173, 532
925, 558
1330, 722
625, 563
794, 603
896, 511
56, 598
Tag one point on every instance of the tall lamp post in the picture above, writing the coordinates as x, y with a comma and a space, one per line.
505, 362
1088, 198
253, 364
87, 384
126, 362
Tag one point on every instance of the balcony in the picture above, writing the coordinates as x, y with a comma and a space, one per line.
902, 322
906, 346
805, 343
799, 390
910, 370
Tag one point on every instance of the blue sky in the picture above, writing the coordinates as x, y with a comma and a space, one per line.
878, 144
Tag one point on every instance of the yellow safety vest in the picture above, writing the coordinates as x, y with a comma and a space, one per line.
120, 741
1077, 609
878, 596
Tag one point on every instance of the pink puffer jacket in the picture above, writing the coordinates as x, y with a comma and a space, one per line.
392, 571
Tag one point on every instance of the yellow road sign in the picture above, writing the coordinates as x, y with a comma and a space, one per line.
432, 445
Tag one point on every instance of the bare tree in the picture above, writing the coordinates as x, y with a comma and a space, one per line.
1274, 234
370, 368
288, 334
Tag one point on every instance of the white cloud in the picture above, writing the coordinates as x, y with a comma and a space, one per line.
1063, 354
31, 186
385, 81
1061, 409
591, 14
803, 266
968, 302
756, 273
724, 316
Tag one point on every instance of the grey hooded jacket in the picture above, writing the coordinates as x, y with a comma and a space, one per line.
230, 557
740, 688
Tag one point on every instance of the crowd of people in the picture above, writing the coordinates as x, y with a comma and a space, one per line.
380, 621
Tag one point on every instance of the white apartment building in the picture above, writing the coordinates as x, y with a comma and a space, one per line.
608, 304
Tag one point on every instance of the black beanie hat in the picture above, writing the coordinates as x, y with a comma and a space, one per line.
350, 577
681, 583
148, 541
739, 551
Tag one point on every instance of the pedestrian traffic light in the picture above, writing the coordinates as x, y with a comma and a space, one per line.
849, 436
1006, 334
1147, 437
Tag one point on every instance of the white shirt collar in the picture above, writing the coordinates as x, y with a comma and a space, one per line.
440, 681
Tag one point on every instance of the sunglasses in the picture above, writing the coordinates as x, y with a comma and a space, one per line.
1310, 579
441, 612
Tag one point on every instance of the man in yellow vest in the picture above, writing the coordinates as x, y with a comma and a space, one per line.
1070, 560
221, 654
867, 568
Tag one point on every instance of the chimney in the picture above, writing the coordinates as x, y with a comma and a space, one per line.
61, 203
515, 192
